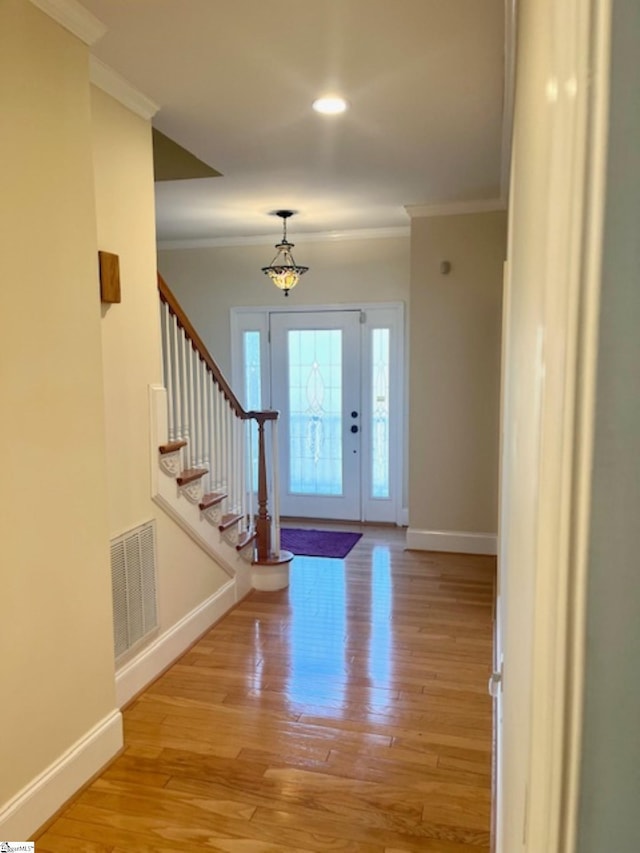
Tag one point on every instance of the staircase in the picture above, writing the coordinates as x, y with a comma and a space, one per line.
207, 472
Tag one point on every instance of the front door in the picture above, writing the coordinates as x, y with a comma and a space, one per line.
335, 374
315, 384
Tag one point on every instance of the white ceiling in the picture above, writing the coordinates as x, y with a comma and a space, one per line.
235, 80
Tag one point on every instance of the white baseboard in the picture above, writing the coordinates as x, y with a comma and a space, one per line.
137, 673
43, 796
453, 541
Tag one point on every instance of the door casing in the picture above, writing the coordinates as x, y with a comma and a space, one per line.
375, 315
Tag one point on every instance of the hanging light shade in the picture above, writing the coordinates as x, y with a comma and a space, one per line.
283, 271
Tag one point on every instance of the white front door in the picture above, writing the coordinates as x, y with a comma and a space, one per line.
335, 374
315, 384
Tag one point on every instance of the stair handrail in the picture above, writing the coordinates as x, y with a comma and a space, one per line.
263, 519
166, 295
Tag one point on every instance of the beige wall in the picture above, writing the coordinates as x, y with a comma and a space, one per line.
56, 670
209, 282
455, 323
132, 355
75, 436
130, 331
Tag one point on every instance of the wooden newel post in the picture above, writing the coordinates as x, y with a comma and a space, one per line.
263, 521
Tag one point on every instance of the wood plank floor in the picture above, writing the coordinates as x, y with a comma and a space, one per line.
347, 713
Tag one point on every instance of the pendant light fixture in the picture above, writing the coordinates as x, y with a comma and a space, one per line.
283, 271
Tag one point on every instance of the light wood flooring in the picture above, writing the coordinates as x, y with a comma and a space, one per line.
347, 713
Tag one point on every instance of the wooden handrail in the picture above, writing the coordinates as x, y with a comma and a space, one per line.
196, 342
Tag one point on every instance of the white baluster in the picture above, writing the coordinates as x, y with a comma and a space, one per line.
239, 457
175, 367
233, 468
217, 437
233, 471
193, 426
208, 424
207, 384
234, 461
229, 457
193, 421
275, 490
167, 366
246, 510
184, 394
197, 426
202, 397
223, 448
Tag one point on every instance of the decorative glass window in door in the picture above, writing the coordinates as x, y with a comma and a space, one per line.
315, 411
380, 413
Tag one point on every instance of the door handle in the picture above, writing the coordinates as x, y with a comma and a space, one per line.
354, 428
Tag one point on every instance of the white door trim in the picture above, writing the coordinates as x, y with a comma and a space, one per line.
576, 205
577, 77
258, 318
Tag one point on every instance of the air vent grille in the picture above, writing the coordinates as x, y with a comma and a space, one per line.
133, 583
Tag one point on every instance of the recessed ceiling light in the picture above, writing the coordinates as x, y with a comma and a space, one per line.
330, 105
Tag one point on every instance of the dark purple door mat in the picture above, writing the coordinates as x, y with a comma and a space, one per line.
317, 543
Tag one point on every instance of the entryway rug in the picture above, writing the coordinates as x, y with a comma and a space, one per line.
317, 543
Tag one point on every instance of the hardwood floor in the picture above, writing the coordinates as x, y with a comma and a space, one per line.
347, 713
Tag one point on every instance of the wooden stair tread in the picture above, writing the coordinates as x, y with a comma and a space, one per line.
172, 446
229, 520
245, 539
190, 474
211, 499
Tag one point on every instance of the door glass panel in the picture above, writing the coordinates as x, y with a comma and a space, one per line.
380, 413
315, 411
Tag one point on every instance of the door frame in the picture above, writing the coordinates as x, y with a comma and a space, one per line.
544, 636
345, 504
399, 442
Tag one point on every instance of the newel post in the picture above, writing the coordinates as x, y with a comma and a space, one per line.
263, 521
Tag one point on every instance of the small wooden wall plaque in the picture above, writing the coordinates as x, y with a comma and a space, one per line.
109, 277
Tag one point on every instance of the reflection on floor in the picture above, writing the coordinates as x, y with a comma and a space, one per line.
349, 712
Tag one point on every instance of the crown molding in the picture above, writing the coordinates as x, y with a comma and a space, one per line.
73, 17
113, 84
486, 205
268, 239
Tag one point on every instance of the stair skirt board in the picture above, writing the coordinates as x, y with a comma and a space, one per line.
135, 675
25, 813
452, 541
233, 565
